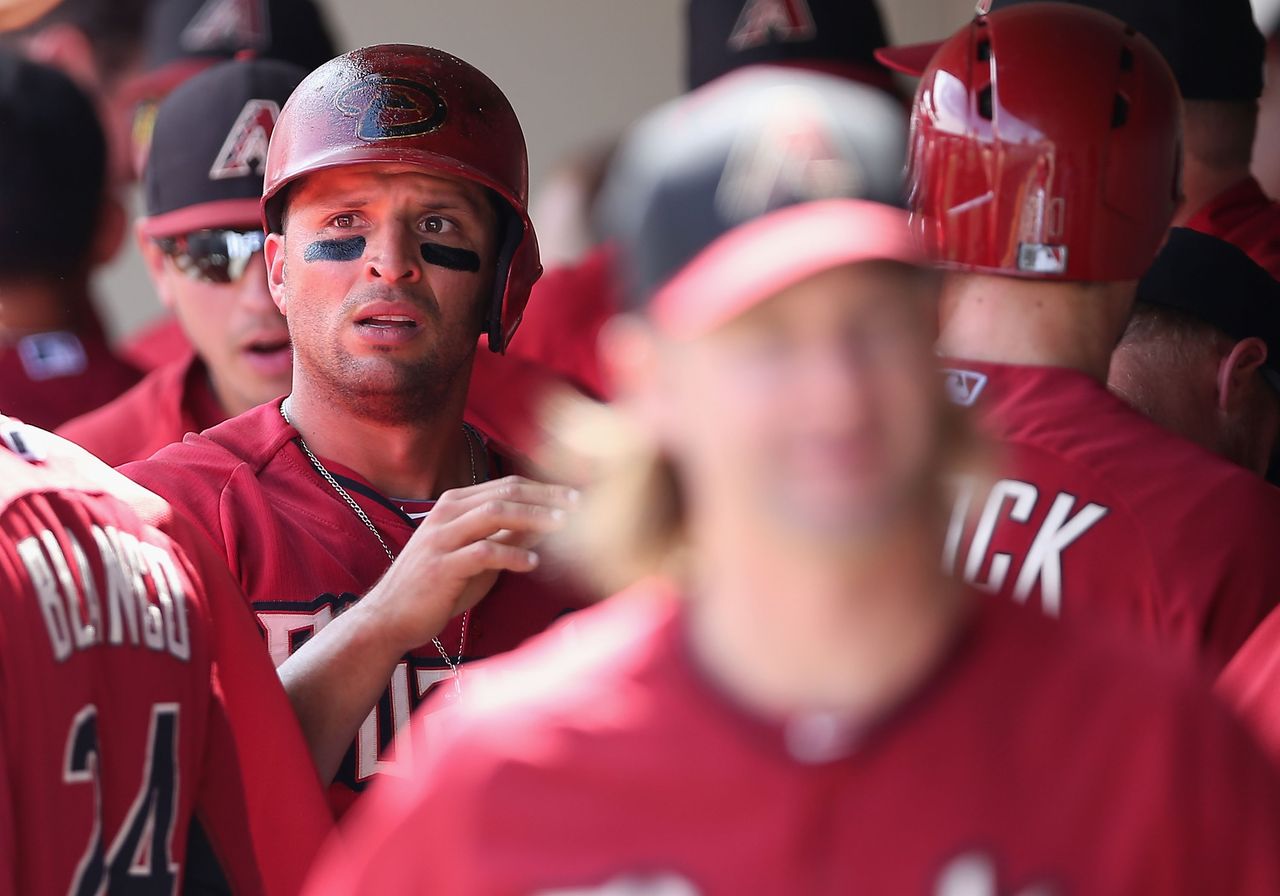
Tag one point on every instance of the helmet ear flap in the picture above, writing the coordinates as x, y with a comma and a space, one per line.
510, 232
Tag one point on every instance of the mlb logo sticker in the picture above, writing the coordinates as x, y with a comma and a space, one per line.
227, 25
48, 356
1042, 258
964, 386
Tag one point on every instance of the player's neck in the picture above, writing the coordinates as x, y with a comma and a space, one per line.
1005, 320
416, 459
847, 632
1201, 184
37, 306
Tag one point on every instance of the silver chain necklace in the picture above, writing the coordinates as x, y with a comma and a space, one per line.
472, 437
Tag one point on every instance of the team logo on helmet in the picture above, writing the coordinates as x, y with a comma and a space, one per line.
390, 108
797, 158
227, 24
789, 21
245, 149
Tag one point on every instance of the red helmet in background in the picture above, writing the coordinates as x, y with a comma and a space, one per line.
1046, 143
414, 105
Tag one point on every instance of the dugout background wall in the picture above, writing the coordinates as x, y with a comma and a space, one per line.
577, 71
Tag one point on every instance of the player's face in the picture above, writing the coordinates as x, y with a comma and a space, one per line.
384, 274
234, 325
819, 408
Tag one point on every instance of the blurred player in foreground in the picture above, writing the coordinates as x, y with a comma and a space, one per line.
802, 703
129, 707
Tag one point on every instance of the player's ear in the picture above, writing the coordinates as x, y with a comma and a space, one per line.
154, 258
273, 251
1236, 371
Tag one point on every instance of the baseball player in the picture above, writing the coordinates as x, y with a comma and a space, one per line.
802, 702
202, 241
54, 359
128, 705
1099, 514
1201, 353
394, 206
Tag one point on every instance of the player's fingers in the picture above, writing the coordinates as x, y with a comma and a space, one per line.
488, 556
517, 539
495, 516
518, 489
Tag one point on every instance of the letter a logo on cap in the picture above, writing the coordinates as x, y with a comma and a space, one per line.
761, 20
244, 152
222, 25
799, 157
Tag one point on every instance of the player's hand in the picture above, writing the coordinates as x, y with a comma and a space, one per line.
471, 535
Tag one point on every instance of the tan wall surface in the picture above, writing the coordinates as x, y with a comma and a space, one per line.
575, 70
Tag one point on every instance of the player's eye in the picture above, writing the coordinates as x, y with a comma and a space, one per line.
342, 222
437, 224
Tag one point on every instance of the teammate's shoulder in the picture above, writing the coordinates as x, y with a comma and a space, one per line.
129, 427
252, 438
573, 669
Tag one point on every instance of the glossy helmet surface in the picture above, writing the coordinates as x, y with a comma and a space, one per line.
418, 106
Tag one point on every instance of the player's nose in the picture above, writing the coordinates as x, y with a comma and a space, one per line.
393, 256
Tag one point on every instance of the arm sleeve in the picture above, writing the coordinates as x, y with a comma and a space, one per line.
392, 840
8, 831
260, 800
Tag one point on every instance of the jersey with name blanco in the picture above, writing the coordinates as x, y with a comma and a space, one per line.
1098, 515
302, 556
602, 759
127, 705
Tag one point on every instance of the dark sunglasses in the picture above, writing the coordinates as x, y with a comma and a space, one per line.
213, 256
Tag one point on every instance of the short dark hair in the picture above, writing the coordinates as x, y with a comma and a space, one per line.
53, 158
1175, 333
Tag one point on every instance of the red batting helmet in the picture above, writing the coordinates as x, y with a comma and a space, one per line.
408, 104
1046, 143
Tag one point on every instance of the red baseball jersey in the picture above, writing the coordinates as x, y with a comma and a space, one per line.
127, 702
601, 759
170, 402
1101, 515
1251, 684
157, 344
301, 555
1246, 217
561, 325
48, 378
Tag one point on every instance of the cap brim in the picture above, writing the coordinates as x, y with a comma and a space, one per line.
751, 263
911, 59
224, 213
